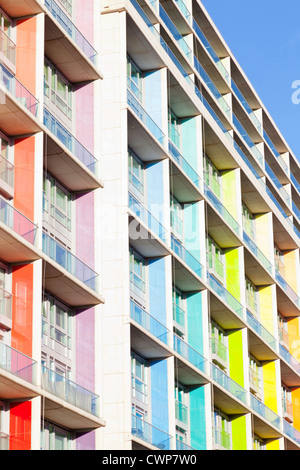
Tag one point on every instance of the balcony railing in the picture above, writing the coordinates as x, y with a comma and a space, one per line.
230, 385
186, 167
190, 354
264, 411
221, 209
290, 431
150, 434
222, 438
216, 266
20, 93
138, 109
17, 363
69, 141
225, 295
187, 257
70, 262
71, 30
142, 213
262, 332
7, 47
17, 221
151, 324
182, 445
287, 288
70, 392
247, 107
291, 360
257, 252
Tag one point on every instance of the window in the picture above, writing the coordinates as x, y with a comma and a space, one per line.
139, 378
248, 222
215, 259
67, 4
254, 376
252, 298
222, 430
176, 217
279, 260
179, 312
258, 443
57, 326
54, 437
137, 277
283, 331
174, 128
57, 205
212, 177
287, 405
5, 23
134, 78
57, 90
181, 406
135, 174
219, 348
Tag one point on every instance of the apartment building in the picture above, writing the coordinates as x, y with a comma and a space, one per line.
50, 372
201, 241
149, 236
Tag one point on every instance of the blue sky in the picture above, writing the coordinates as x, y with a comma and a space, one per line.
264, 36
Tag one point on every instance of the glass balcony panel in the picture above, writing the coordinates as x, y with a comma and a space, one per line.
183, 8
258, 327
230, 385
17, 221
264, 411
154, 436
17, 363
190, 354
186, 256
140, 211
218, 348
228, 298
221, 209
9, 81
70, 262
69, 141
71, 392
186, 167
66, 23
151, 324
247, 107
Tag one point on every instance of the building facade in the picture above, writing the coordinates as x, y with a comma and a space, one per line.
150, 235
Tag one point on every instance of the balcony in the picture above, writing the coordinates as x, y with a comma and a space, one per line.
288, 410
6, 178
225, 296
5, 310
191, 366
19, 107
19, 8
67, 48
291, 432
156, 341
261, 341
258, 267
290, 368
186, 182
189, 270
268, 415
17, 235
141, 430
17, 374
230, 405
72, 280
144, 135
146, 237
288, 302
67, 159
69, 404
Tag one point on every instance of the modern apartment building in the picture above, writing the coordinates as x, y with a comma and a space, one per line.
149, 236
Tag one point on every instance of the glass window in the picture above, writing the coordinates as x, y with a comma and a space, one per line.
57, 202
134, 78
61, 90
212, 177
136, 174
176, 217
215, 259
174, 128
248, 222
54, 437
